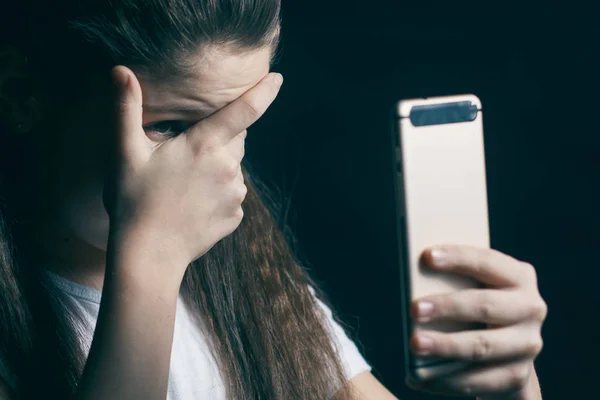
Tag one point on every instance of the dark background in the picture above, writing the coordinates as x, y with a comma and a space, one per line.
325, 145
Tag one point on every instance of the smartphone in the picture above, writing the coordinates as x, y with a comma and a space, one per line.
441, 198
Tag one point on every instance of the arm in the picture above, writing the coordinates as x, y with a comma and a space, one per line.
131, 349
130, 353
151, 243
154, 242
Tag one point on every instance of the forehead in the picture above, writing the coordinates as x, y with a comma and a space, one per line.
218, 77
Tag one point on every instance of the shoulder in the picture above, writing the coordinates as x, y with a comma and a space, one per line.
358, 370
353, 360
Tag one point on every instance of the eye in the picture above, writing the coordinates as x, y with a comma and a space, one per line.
167, 128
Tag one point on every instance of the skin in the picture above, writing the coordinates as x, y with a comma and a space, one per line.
84, 249
78, 252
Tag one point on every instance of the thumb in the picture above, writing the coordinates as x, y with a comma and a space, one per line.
127, 143
131, 141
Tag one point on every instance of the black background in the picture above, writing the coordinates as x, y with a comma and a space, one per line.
325, 145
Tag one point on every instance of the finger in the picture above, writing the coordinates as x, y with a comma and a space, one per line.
504, 380
132, 142
486, 265
241, 174
491, 306
232, 119
499, 344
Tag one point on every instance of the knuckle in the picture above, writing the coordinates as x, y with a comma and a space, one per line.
483, 259
540, 345
242, 191
539, 310
209, 145
485, 308
480, 266
231, 169
201, 147
444, 305
535, 345
481, 348
529, 271
239, 214
448, 345
199, 152
249, 110
518, 375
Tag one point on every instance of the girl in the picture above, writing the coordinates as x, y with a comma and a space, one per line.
140, 260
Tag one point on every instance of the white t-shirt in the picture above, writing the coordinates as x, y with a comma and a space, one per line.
193, 373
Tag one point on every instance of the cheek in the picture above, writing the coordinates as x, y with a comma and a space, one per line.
82, 211
79, 161
79, 188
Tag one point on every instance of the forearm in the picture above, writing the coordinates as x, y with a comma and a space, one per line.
130, 353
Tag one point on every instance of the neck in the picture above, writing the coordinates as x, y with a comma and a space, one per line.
59, 250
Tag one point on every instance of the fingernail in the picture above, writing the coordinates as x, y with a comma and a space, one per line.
278, 79
424, 345
424, 311
439, 257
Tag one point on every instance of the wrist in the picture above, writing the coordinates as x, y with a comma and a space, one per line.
133, 259
532, 390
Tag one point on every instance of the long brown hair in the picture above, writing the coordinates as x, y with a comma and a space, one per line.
270, 338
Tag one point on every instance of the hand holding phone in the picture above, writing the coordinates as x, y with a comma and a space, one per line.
465, 284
